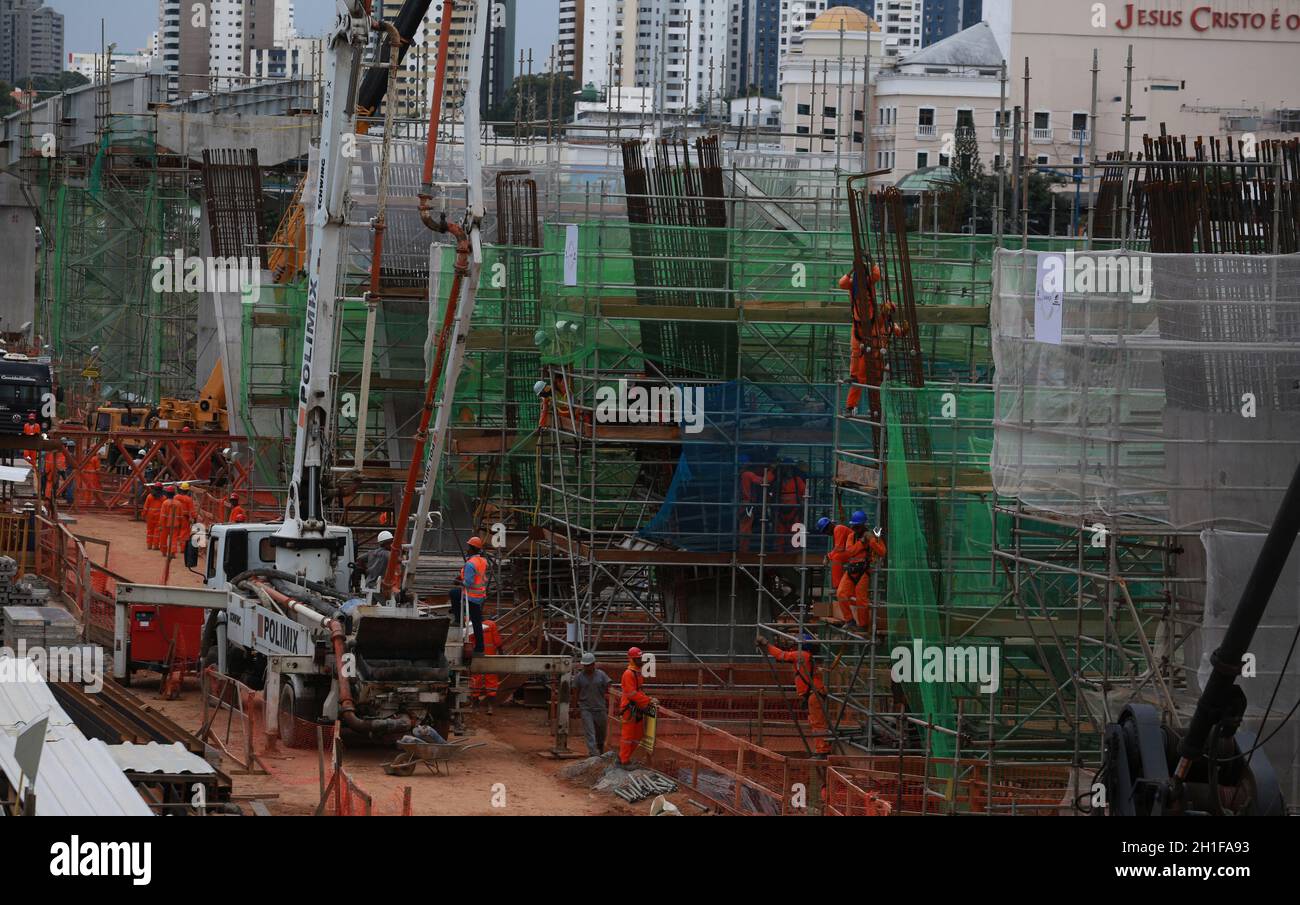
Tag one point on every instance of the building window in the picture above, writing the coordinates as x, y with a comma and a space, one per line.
829, 111
922, 159
857, 116
944, 160
803, 110
801, 130
857, 138
1042, 160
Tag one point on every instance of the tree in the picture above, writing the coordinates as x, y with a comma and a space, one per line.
528, 98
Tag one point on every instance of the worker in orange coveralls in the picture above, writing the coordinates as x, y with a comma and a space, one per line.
237, 513
854, 592
839, 535
31, 428
633, 706
56, 465
153, 517
483, 686
88, 485
752, 479
170, 516
808, 684
792, 487
861, 331
189, 511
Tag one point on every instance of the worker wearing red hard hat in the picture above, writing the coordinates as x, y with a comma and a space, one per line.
633, 706
237, 513
31, 428
473, 579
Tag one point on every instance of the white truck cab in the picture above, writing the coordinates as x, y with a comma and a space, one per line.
236, 548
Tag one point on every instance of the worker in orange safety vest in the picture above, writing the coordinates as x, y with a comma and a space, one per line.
808, 684
853, 594
153, 516
484, 686
633, 707
31, 428
839, 535
237, 513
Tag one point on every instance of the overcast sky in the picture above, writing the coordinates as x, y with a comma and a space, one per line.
131, 22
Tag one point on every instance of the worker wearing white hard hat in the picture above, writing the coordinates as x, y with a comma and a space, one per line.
372, 565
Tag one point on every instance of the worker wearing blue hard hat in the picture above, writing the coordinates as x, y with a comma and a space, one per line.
853, 593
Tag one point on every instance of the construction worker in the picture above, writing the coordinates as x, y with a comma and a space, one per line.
237, 514
853, 595
633, 706
170, 516
544, 400
792, 487
373, 564
592, 686
88, 481
484, 686
473, 581
752, 479
56, 466
839, 535
152, 517
808, 685
31, 428
864, 312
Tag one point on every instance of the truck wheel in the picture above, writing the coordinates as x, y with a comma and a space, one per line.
288, 711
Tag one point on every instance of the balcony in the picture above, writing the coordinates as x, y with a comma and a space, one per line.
926, 131
1002, 132
1078, 136
1041, 136
882, 131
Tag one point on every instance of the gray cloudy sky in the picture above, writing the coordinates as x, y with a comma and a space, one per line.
130, 22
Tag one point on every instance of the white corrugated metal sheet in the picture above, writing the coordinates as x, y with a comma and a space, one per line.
159, 758
78, 777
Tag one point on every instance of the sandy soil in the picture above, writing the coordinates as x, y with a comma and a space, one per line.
513, 761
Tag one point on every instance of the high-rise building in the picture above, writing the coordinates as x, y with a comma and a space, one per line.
947, 17
206, 44
415, 85
902, 23
284, 25
569, 39
31, 40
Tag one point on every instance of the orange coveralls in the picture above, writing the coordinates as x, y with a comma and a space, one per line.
31, 429
843, 534
854, 596
485, 685
152, 513
793, 489
808, 685
237, 514
751, 498
186, 512
633, 722
170, 515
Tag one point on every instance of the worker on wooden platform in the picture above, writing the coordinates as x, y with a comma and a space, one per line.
31, 428
853, 595
153, 517
237, 513
483, 687
634, 705
473, 582
808, 685
592, 686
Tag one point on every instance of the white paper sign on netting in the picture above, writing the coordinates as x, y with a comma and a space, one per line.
1165, 387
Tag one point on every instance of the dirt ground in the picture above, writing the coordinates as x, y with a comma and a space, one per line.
509, 775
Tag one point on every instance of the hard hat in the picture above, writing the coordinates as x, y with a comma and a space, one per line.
634, 653
588, 659
539, 387
234, 498
31, 416
226, 452
185, 485
858, 518
846, 281
743, 459
488, 623
476, 542
823, 523
169, 489
385, 536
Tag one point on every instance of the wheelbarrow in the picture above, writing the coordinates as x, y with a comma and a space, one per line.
434, 756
